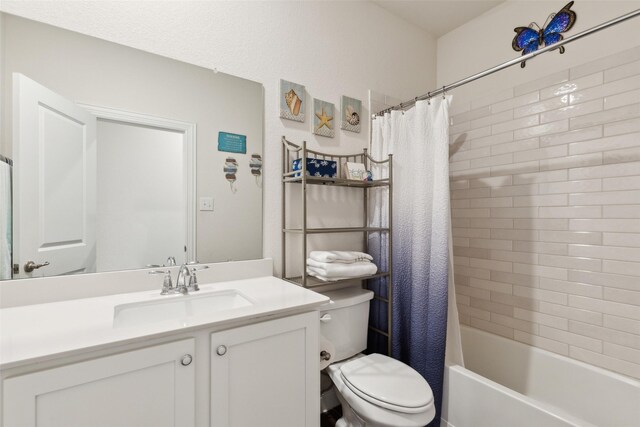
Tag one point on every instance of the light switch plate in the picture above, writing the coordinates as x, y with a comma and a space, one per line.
206, 203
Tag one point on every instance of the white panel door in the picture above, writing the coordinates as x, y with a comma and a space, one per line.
141, 388
267, 374
54, 148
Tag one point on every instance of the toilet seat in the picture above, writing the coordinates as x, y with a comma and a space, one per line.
387, 383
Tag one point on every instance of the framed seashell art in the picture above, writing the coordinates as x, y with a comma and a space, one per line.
323, 123
292, 103
351, 113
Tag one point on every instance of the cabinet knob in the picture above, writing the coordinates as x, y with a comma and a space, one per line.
221, 350
186, 360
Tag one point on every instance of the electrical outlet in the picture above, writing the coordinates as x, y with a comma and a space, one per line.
206, 203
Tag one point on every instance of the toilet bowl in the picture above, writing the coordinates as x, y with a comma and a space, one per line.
374, 390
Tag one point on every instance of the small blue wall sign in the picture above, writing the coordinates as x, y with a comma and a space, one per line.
232, 143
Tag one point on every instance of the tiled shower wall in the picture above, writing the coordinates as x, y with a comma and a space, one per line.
545, 193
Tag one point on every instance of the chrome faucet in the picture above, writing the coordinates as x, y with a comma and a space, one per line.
185, 282
183, 273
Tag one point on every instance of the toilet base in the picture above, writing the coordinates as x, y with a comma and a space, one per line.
349, 417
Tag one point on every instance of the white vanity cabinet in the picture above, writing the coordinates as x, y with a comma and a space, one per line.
152, 386
266, 374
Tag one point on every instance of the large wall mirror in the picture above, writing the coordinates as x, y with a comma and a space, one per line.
113, 158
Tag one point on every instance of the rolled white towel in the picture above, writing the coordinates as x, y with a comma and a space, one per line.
341, 270
345, 257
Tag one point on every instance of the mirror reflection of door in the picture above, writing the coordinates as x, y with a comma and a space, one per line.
54, 148
105, 193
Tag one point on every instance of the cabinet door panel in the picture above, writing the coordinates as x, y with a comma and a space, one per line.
147, 387
268, 375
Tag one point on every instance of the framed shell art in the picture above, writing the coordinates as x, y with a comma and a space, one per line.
323, 123
351, 113
292, 103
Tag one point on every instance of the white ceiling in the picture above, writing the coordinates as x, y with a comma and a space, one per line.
437, 17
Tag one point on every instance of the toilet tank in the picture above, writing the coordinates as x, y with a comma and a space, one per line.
344, 320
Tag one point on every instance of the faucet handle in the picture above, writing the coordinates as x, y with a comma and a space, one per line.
171, 261
193, 279
167, 284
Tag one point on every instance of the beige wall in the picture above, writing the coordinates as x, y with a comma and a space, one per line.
545, 169
334, 48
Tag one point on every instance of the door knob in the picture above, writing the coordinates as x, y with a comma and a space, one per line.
30, 266
221, 350
186, 360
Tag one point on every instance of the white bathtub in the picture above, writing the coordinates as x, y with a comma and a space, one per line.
510, 384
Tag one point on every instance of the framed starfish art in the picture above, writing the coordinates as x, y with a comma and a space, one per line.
323, 118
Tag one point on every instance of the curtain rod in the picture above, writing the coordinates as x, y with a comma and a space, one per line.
510, 63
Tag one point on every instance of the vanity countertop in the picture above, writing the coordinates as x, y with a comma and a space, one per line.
40, 332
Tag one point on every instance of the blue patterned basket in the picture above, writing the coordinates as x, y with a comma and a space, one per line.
318, 167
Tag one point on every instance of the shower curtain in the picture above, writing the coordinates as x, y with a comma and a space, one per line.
423, 294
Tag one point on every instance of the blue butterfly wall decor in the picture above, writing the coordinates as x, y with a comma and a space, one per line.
529, 40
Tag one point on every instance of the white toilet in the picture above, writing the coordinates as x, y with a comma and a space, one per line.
374, 390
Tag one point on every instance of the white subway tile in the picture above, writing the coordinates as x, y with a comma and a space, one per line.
541, 200
492, 119
540, 107
517, 146
613, 225
606, 252
622, 183
541, 271
571, 313
515, 168
470, 134
623, 296
605, 333
623, 324
606, 198
572, 111
490, 264
622, 211
471, 193
527, 212
494, 328
492, 306
607, 89
480, 273
519, 123
544, 129
603, 306
607, 362
541, 247
605, 62
506, 234
470, 115
541, 342
605, 144
572, 288
505, 288
584, 237
493, 223
520, 302
621, 239
511, 256
515, 190
518, 101
459, 184
621, 156
505, 202
540, 153
622, 99
543, 82
490, 140
581, 160
541, 318
540, 294
604, 279
624, 126
470, 173
478, 233
470, 213
548, 176
606, 116
605, 171
621, 267
574, 263
515, 279
473, 292
622, 71
572, 136
474, 312
459, 166
571, 186
573, 85
459, 156
492, 161
511, 322
541, 224
492, 98
458, 260
622, 353
460, 241
462, 299
505, 245
497, 181
471, 252
571, 212
571, 339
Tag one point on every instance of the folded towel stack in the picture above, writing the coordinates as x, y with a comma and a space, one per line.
330, 266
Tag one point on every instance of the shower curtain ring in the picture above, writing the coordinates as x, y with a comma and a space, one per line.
429, 98
444, 92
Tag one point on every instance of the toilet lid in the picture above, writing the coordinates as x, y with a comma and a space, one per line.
381, 379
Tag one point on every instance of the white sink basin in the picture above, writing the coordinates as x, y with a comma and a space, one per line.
178, 308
